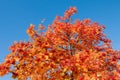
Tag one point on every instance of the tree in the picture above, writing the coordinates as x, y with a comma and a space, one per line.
67, 50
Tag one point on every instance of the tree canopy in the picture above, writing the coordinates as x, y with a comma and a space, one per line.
66, 50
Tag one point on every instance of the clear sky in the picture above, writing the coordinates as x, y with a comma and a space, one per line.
16, 15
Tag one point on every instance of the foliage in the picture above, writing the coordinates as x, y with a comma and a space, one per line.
67, 50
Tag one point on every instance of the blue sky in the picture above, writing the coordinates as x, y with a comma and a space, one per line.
16, 15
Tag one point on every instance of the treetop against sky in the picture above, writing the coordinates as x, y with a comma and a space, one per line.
66, 50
